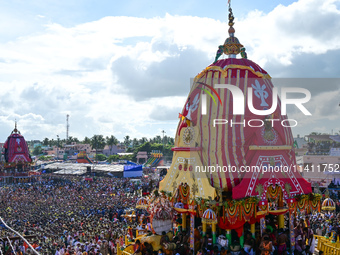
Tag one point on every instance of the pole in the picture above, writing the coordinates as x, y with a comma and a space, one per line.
281, 219
242, 239
163, 141
204, 229
213, 228
252, 230
184, 221
228, 235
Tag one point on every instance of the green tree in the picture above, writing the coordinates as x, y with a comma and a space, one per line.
51, 142
158, 139
171, 141
126, 157
127, 141
72, 139
111, 141
101, 157
135, 142
113, 158
37, 151
143, 140
62, 142
68, 141
86, 140
45, 158
97, 142
46, 141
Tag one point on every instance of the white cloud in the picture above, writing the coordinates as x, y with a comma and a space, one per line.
113, 74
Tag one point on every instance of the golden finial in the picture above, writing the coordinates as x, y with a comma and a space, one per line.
231, 46
15, 131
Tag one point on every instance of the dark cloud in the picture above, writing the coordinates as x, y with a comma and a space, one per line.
171, 77
307, 65
314, 85
322, 71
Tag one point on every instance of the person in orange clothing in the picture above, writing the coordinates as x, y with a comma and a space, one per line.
35, 244
266, 246
26, 246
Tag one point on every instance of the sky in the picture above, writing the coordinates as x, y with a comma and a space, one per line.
124, 67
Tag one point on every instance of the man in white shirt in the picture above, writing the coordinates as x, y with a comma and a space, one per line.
319, 231
62, 251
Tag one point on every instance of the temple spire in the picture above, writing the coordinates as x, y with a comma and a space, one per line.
231, 46
15, 131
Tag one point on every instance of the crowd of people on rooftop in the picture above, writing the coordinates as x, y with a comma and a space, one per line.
322, 147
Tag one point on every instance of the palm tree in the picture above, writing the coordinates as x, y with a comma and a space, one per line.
135, 143
46, 142
70, 140
97, 142
158, 139
86, 140
127, 141
110, 141
143, 140
51, 142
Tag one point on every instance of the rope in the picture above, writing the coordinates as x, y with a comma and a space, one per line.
3, 222
10, 244
1, 247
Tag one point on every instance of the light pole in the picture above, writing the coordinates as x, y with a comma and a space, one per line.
163, 140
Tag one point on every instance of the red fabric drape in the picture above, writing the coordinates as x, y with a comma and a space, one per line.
238, 225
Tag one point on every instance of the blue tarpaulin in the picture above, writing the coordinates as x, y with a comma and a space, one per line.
133, 170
